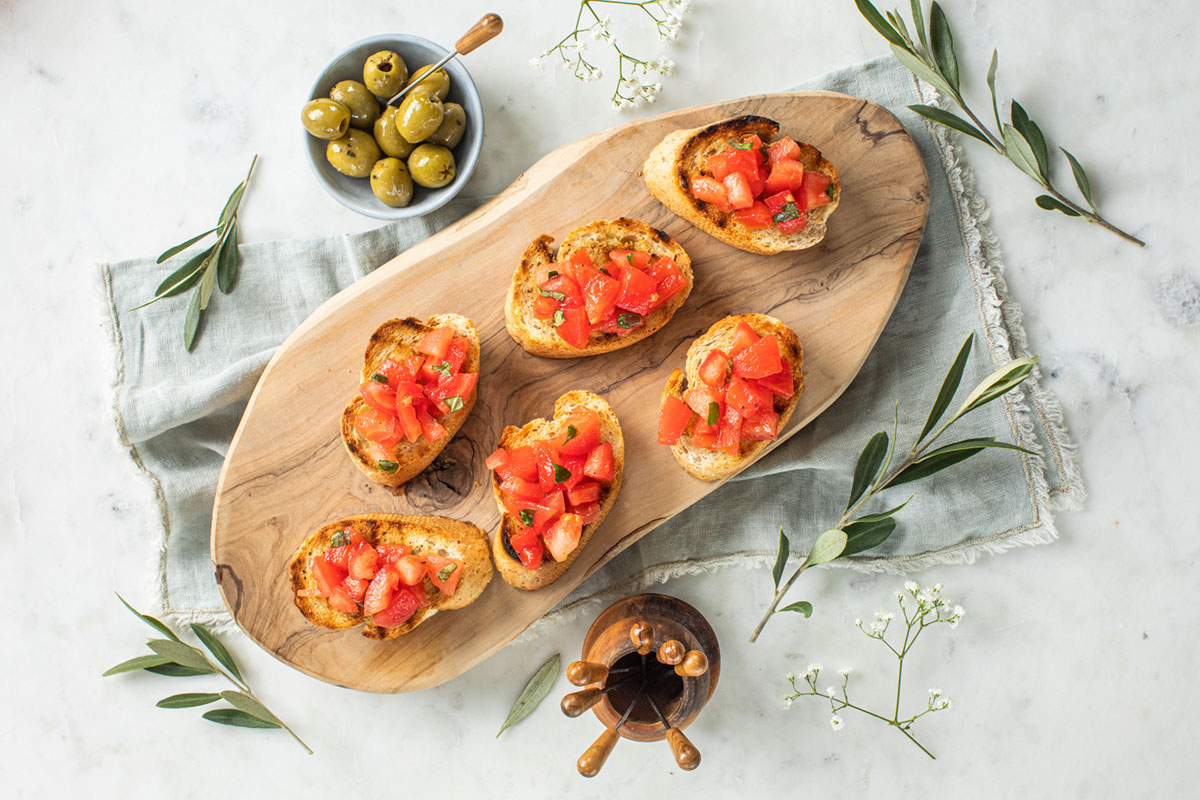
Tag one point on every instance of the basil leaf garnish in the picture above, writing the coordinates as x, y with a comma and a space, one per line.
714, 413
552, 273
558, 318
445, 572
387, 466
741, 145
380, 378
628, 320
559, 296
443, 368
572, 432
527, 516
561, 474
454, 403
629, 257
340, 538
788, 212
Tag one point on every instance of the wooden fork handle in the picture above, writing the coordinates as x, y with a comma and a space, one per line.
488, 27
593, 758
686, 754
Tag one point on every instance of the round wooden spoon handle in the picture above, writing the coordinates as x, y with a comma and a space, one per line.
581, 673
642, 636
670, 652
695, 664
686, 754
576, 703
593, 758
488, 27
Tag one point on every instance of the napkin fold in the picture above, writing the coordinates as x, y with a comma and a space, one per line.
177, 412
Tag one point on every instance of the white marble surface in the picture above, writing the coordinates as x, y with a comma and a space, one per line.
1073, 674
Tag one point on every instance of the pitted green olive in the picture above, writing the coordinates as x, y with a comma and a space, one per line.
431, 166
438, 82
354, 154
454, 122
420, 115
325, 118
385, 73
364, 108
391, 183
390, 141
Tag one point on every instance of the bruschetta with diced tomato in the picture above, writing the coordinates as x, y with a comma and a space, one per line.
417, 388
741, 383
555, 480
610, 284
388, 572
741, 182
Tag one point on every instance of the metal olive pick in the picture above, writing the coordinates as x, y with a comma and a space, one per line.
485, 30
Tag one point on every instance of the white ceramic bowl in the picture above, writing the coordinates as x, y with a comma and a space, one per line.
355, 193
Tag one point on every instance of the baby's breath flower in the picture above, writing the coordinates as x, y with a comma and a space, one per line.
791, 677
787, 702
910, 586
836, 723
935, 693
813, 669
884, 616
946, 704
845, 671
830, 691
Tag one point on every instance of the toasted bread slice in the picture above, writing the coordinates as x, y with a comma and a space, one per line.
507, 564
537, 336
425, 535
711, 465
397, 339
684, 154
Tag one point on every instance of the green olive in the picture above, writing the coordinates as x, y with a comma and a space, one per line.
450, 132
364, 108
385, 73
420, 115
390, 141
438, 82
325, 118
431, 166
353, 154
391, 183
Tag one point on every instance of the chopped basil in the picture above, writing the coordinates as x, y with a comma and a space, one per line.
829, 191
443, 368
454, 403
788, 212
714, 413
628, 319
629, 257
572, 432
764, 152
558, 318
559, 296
741, 145
340, 538
445, 572
387, 466
606, 272
379, 378
561, 474
552, 273
527, 516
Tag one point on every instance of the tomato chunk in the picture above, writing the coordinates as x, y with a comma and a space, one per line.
710, 190
600, 463
379, 593
757, 216
339, 600
521, 488
411, 569
373, 424
732, 161
815, 189
405, 602
529, 548
705, 435
673, 419
669, 279
582, 433
715, 368
563, 536
364, 559
738, 185
600, 297
729, 433
575, 328
392, 372
786, 176
543, 307
548, 509
586, 492
759, 359
763, 426
497, 459
743, 337
639, 292
391, 553
379, 397
782, 149
326, 575
521, 463
701, 398
444, 573
431, 429
780, 383
633, 258
747, 399
436, 342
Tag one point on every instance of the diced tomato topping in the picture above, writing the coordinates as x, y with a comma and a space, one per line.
391, 553
339, 600
601, 465
730, 431
379, 593
431, 429
781, 149
790, 226
632, 258
326, 575
373, 424
411, 569
393, 372
780, 383
588, 512
762, 427
714, 370
639, 291
546, 458
436, 342
564, 285
746, 398
563, 536
444, 573
497, 459
581, 258
456, 354
732, 161
529, 548
705, 435
759, 359
586, 435
356, 588
701, 397
710, 190
743, 337
405, 602
575, 328
548, 509
776, 202
339, 557
406, 413
673, 420
740, 195
600, 297
545, 272
587, 492
378, 396
815, 189
543, 307
521, 488
669, 279
757, 216
363, 560
786, 176
521, 463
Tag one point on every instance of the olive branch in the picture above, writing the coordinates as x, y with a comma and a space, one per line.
1020, 140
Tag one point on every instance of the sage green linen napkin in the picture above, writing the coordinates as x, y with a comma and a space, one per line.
178, 411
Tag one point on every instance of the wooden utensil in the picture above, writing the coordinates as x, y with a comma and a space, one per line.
487, 28
581, 673
286, 472
694, 664
670, 652
686, 754
642, 636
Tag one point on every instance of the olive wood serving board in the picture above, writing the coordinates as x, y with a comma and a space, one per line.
287, 474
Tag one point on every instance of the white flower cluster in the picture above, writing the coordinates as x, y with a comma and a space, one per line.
631, 92
668, 29
930, 602
938, 701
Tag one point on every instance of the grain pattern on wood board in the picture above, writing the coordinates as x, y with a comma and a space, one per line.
286, 473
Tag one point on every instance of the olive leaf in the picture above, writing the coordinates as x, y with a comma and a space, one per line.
535, 692
191, 322
942, 45
210, 640
929, 466
179, 248
950, 121
922, 70
209, 281
227, 261
881, 515
972, 444
898, 25
949, 386
1032, 134
149, 620
136, 663
919, 23
1081, 178
190, 700
1000, 382
991, 84
865, 534
182, 654
183, 278
829, 545
1048, 203
173, 670
804, 607
1019, 153
249, 704
878, 22
869, 462
781, 557
237, 718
